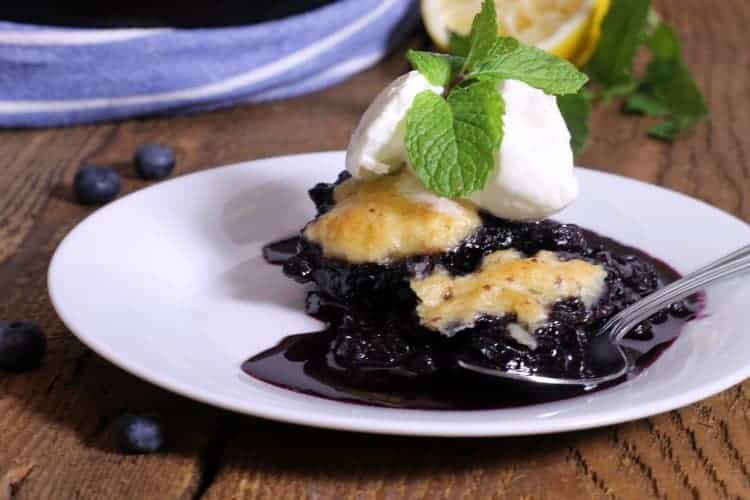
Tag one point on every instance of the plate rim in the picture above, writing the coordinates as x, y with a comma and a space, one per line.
342, 422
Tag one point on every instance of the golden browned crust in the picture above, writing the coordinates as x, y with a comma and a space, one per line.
391, 217
507, 283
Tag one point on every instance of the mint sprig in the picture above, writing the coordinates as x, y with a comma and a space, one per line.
483, 35
645, 104
509, 59
668, 87
667, 90
453, 143
439, 69
622, 35
452, 140
459, 45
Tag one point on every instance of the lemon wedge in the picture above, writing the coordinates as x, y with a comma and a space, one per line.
566, 28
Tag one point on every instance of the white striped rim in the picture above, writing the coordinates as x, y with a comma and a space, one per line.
348, 67
45, 36
201, 91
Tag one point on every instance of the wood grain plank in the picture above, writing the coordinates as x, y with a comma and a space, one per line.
59, 417
269, 460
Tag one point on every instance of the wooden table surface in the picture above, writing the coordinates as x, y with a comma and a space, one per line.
55, 423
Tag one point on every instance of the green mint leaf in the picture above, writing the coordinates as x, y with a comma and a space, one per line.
439, 69
576, 109
453, 144
669, 130
483, 34
664, 42
645, 104
459, 45
669, 82
668, 89
622, 34
665, 131
618, 90
508, 59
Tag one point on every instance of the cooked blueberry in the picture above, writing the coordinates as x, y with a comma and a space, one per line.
95, 185
362, 344
499, 237
550, 235
660, 317
495, 348
638, 274
322, 196
22, 346
571, 311
643, 331
467, 258
281, 251
344, 175
680, 310
154, 161
313, 303
568, 238
298, 269
462, 261
322, 193
139, 433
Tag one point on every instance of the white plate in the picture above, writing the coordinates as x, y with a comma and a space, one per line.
169, 284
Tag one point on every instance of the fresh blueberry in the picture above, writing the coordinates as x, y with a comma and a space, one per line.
22, 346
322, 195
154, 161
96, 185
139, 434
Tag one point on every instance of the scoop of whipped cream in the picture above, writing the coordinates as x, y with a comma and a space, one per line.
378, 144
533, 177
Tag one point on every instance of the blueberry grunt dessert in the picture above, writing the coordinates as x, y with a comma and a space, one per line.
525, 296
435, 245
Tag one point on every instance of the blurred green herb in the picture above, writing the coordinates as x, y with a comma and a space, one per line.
576, 109
667, 90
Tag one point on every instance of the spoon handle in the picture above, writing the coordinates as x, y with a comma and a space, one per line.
726, 267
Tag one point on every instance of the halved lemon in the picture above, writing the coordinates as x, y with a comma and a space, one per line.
567, 28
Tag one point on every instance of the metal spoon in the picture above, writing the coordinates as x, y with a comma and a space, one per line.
606, 344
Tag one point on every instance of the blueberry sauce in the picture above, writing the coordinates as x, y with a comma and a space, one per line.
363, 361
374, 349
